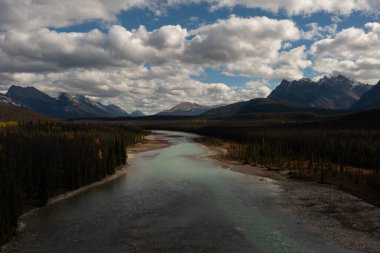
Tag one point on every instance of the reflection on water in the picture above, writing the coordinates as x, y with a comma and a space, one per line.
172, 202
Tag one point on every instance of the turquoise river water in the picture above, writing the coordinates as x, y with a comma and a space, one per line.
173, 201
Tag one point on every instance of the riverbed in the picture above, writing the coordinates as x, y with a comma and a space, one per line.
173, 201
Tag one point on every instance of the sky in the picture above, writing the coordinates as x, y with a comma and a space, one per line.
151, 55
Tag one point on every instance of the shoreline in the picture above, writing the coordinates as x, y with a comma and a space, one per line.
346, 219
148, 145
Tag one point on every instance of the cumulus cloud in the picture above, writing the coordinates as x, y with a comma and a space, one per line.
247, 46
34, 14
353, 52
318, 32
260, 86
47, 50
250, 47
295, 7
231, 39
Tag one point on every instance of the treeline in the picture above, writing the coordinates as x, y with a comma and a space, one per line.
343, 149
13, 113
41, 160
319, 153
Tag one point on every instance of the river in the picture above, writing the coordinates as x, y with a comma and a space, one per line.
173, 201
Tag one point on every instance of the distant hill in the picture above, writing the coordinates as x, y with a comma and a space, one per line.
13, 113
328, 93
358, 120
370, 100
137, 113
185, 109
64, 107
262, 105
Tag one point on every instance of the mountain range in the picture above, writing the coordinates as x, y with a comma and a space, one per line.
337, 93
137, 114
65, 106
369, 100
265, 105
185, 109
326, 96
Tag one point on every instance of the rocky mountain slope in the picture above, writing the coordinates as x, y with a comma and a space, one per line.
339, 93
65, 106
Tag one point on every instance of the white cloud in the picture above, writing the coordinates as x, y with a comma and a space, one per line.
236, 38
281, 65
260, 86
34, 14
353, 52
251, 47
318, 32
168, 37
46, 50
295, 7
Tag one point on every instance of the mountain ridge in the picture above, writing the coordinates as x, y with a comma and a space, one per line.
323, 96
262, 105
137, 113
65, 106
338, 92
370, 100
185, 109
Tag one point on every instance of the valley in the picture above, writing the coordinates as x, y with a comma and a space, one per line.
189, 126
219, 211
316, 155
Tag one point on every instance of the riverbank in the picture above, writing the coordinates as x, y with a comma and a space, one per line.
349, 221
147, 145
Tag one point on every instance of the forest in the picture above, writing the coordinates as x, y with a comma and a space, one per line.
341, 150
41, 159
307, 152
343, 156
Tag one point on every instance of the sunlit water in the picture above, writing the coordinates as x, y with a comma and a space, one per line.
173, 201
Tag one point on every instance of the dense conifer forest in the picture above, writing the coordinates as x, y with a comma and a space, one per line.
39, 160
346, 156
341, 150
307, 152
